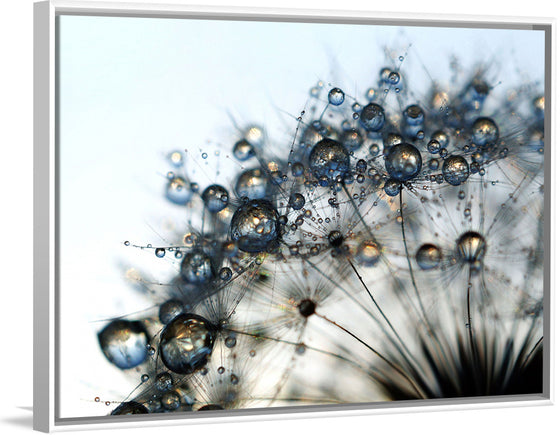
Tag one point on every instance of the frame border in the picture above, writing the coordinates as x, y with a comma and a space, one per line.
45, 138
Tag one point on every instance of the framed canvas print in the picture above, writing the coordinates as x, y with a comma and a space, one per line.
272, 212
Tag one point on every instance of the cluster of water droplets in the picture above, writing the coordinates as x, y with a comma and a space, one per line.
359, 242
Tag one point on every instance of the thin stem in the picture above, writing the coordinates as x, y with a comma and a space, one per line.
392, 365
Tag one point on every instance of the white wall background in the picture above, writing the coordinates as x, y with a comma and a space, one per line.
16, 29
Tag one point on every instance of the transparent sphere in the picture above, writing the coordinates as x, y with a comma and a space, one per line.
368, 253
441, 137
392, 187
129, 408
329, 159
433, 146
351, 139
455, 170
336, 96
403, 162
186, 343
372, 117
484, 131
428, 256
197, 268
169, 310
414, 115
124, 343
215, 198
252, 184
178, 191
471, 247
164, 382
243, 150
297, 201
254, 226
171, 401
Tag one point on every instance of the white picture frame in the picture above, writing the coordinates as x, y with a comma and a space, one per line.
46, 249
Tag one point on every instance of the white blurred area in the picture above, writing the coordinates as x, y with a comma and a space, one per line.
134, 89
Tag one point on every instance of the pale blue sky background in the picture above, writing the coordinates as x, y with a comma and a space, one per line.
133, 89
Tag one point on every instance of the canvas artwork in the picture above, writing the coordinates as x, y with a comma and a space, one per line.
276, 214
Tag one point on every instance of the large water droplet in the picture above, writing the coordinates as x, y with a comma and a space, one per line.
329, 159
428, 256
186, 342
254, 226
455, 170
215, 198
403, 162
124, 343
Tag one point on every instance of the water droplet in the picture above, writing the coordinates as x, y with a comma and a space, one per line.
471, 247
215, 198
329, 159
230, 342
455, 170
394, 78
484, 131
178, 191
428, 256
252, 184
171, 401
243, 150
145, 378
297, 201
185, 343
403, 162
372, 117
164, 382
441, 137
368, 253
169, 310
197, 268
225, 273
336, 96
297, 169
160, 252
124, 343
176, 158
351, 139
414, 115
256, 214
392, 187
